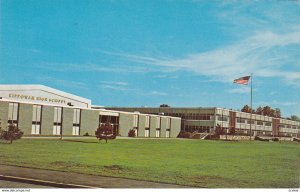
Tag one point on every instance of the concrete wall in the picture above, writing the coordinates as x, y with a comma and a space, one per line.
25, 118
67, 121
152, 126
125, 124
3, 114
47, 120
141, 129
175, 127
89, 121
163, 126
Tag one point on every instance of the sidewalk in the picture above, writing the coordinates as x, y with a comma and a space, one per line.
79, 179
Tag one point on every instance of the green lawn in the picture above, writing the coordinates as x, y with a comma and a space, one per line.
198, 163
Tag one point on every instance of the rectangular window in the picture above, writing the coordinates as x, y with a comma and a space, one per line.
222, 118
147, 131
157, 133
135, 120
136, 132
168, 133
13, 110
147, 122
259, 122
168, 123
157, 122
36, 119
248, 121
104, 119
204, 116
57, 121
114, 120
76, 122
268, 124
56, 129
240, 120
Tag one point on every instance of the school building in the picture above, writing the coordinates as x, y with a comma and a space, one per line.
43, 111
205, 120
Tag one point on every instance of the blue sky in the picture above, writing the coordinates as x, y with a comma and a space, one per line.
145, 53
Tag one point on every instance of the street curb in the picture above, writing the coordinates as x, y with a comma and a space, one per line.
42, 182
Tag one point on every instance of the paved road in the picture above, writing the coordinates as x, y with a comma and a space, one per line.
11, 184
80, 179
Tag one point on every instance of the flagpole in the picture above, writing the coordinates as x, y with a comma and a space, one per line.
251, 106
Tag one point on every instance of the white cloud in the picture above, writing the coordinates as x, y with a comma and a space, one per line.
119, 83
281, 103
263, 54
158, 93
117, 86
92, 67
166, 76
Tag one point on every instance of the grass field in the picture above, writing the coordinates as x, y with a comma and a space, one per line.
197, 163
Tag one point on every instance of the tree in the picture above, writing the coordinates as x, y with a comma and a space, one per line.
12, 133
247, 109
277, 113
259, 110
219, 130
105, 131
232, 130
164, 105
267, 111
295, 118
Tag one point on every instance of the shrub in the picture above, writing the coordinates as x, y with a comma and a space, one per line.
12, 133
86, 134
275, 139
260, 139
131, 133
105, 131
232, 131
219, 130
184, 134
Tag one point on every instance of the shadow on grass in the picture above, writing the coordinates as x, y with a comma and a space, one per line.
80, 141
4, 142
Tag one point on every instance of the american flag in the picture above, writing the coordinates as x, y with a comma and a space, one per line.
242, 80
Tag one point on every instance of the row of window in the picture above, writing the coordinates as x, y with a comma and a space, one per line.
13, 111
57, 120
157, 133
192, 116
199, 129
243, 120
109, 119
147, 122
289, 126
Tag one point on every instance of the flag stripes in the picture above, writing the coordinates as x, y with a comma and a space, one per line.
242, 80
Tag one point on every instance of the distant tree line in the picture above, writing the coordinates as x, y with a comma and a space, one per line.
268, 111
294, 118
